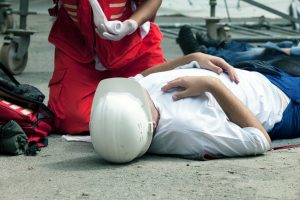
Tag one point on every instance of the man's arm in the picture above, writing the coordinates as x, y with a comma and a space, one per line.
145, 11
116, 30
213, 63
235, 110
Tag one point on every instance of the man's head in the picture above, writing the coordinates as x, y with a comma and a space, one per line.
121, 124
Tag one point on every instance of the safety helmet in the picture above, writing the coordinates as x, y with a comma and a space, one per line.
121, 122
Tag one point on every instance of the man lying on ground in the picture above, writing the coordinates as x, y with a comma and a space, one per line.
193, 112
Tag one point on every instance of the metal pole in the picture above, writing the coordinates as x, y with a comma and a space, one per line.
266, 39
249, 30
23, 13
276, 12
227, 10
213, 4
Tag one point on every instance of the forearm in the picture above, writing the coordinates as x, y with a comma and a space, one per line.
146, 11
169, 65
235, 110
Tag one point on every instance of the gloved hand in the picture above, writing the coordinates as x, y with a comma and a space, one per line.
101, 22
113, 27
111, 30
127, 28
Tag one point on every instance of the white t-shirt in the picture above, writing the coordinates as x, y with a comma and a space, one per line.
198, 128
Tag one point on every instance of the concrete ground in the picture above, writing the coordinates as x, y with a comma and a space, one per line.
71, 170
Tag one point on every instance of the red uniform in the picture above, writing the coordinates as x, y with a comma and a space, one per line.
75, 77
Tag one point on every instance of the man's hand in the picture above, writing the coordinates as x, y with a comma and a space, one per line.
216, 64
235, 110
112, 27
205, 61
111, 30
116, 33
188, 86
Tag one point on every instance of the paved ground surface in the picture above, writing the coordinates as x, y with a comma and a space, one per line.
71, 170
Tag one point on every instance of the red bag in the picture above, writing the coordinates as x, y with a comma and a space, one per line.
35, 123
23, 103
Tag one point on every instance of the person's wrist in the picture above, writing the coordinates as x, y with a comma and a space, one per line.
133, 25
196, 56
212, 84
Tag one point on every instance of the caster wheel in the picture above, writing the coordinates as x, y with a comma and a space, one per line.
10, 61
8, 23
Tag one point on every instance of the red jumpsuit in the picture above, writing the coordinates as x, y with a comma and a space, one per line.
75, 77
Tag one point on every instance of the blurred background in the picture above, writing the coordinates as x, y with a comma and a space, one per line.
242, 20
72, 171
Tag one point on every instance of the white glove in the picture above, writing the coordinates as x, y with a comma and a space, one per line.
100, 20
112, 27
127, 28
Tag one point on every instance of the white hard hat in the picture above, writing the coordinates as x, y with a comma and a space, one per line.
121, 122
